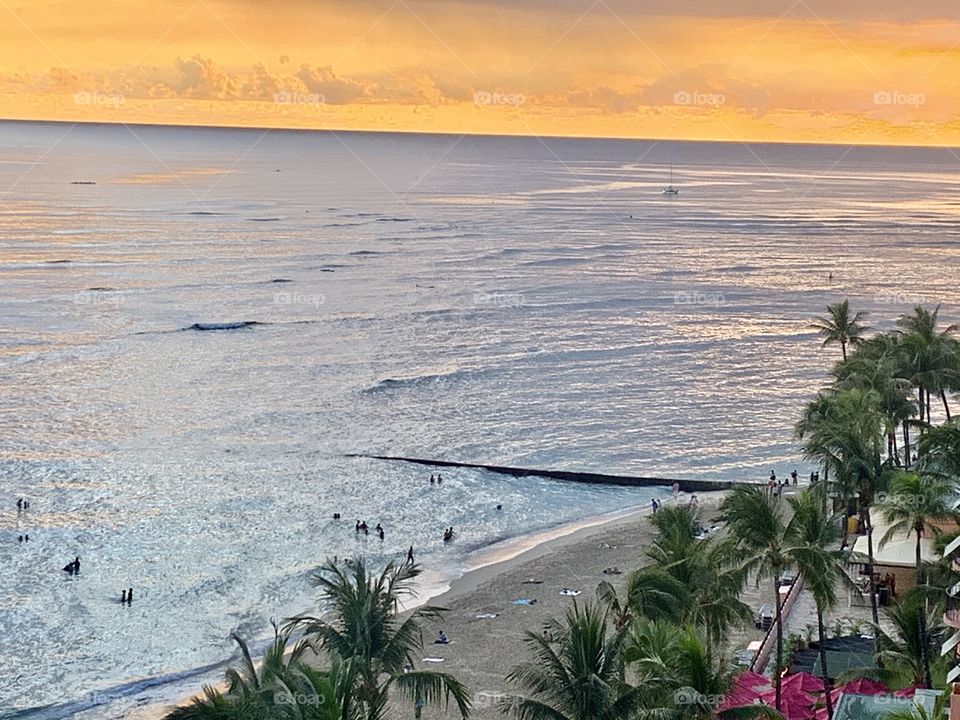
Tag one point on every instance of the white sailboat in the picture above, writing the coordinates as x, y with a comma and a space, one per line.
670, 189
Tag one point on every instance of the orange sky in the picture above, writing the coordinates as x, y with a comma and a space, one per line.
867, 72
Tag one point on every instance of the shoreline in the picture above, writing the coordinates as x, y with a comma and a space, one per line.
488, 561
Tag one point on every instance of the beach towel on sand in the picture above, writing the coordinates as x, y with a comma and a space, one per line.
567, 592
524, 601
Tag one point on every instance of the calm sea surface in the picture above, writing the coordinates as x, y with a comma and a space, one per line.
512, 301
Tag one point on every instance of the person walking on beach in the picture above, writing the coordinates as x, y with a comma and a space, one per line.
19, 504
795, 477
654, 504
410, 555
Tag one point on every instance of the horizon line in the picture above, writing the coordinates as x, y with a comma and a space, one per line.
374, 131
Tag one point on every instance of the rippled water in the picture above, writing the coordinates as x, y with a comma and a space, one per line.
513, 301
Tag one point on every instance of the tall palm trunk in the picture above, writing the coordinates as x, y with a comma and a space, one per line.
873, 583
946, 407
779, 621
922, 620
906, 445
920, 404
823, 662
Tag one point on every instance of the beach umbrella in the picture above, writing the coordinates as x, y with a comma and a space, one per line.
907, 692
751, 679
804, 681
865, 686
738, 697
862, 686
795, 695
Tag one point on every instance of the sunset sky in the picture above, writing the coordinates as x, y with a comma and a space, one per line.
863, 71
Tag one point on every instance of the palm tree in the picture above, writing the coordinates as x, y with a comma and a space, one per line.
876, 366
940, 451
690, 581
575, 673
917, 503
819, 560
932, 356
839, 327
756, 520
362, 628
283, 687
676, 672
904, 653
845, 434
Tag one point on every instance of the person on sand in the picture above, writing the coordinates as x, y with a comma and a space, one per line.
20, 504
654, 505
410, 555
433, 480
439, 478
795, 477
442, 639
129, 596
357, 528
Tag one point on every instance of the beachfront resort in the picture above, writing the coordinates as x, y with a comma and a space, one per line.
820, 595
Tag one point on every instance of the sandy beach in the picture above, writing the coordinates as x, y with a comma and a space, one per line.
484, 649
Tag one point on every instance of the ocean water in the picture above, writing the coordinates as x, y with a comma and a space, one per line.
521, 301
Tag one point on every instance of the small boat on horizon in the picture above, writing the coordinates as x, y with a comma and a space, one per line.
671, 189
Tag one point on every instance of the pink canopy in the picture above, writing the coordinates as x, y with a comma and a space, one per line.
796, 705
804, 681
865, 686
751, 679
738, 697
907, 692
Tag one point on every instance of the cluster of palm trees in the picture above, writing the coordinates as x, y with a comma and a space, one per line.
888, 382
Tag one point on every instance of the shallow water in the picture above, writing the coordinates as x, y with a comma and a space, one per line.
178, 416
